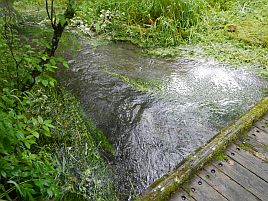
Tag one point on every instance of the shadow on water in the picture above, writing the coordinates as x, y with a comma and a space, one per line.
154, 130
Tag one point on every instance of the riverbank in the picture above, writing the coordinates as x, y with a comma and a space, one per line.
76, 145
49, 149
82, 173
232, 32
227, 31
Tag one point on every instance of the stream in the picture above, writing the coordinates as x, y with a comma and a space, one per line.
155, 111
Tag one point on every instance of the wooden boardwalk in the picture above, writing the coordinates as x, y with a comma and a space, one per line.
240, 175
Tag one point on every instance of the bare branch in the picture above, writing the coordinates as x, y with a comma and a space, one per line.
9, 37
50, 14
47, 10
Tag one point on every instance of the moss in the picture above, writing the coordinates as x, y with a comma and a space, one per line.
247, 44
140, 84
221, 156
157, 182
246, 146
99, 137
163, 52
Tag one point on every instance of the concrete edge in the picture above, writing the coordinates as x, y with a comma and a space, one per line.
162, 188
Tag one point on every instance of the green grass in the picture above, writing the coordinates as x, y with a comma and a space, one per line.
247, 46
164, 25
82, 172
148, 23
168, 24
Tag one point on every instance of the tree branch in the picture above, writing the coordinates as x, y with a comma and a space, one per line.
58, 28
9, 37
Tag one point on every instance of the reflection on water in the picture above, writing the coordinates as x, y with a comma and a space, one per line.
152, 132
224, 80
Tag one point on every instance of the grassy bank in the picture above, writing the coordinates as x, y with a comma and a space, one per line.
231, 31
81, 171
246, 45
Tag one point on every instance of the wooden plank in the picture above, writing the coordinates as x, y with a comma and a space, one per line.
201, 191
256, 148
180, 195
259, 135
244, 177
225, 185
262, 124
266, 116
161, 188
250, 162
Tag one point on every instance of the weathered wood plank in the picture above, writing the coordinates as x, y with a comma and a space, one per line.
225, 185
259, 135
244, 177
266, 116
250, 162
201, 191
254, 147
262, 124
180, 195
161, 189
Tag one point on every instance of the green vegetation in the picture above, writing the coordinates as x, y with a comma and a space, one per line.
140, 84
146, 23
232, 31
49, 150
26, 166
81, 171
227, 30
247, 45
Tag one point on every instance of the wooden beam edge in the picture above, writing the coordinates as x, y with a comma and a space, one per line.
162, 188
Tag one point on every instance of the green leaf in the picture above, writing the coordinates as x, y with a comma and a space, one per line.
49, 192
50, 126
48, 123
40, 120
35, 134
20, 135
62, 19
47, 134
65, 64
44, 82
3, 173
34, 121
27, 145
53, 61
51, 83
16, 185
45, 128
44, 57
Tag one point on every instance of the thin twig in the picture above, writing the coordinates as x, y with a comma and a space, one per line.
10, 41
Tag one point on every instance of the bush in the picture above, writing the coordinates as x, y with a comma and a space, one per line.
26, 168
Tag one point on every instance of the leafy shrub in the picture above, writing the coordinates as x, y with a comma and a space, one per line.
26, 168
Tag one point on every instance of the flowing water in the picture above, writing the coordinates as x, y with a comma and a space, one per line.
155, 111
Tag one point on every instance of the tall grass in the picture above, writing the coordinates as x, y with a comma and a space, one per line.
149, 22
184, 13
